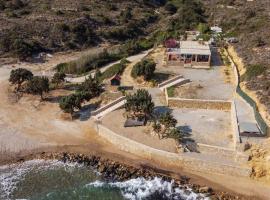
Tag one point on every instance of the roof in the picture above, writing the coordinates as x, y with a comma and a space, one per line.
117, 77
193, 47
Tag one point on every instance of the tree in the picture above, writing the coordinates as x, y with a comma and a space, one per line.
69, 103
20, 75
165, 126
140, 104
91, 86
145, 68
58, 78
38, 85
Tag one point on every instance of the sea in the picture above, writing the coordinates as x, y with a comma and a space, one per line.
55, 180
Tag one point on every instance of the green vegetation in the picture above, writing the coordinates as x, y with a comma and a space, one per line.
145, 68
115, 69
38, 86
19, 76
165, 126
88, 62
140, 104
252, 72
58, 78
87, 90
90, 87
69, 103
171, 91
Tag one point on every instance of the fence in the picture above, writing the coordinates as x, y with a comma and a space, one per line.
260, 121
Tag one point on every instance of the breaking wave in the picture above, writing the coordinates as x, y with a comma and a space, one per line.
140, 188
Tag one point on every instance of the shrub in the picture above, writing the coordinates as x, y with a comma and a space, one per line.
171, 91
144, 68
115, 69
58, 78
69, 103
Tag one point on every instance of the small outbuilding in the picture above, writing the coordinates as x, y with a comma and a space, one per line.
116, 80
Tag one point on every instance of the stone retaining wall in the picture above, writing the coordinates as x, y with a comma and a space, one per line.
170, 159
235, 127
224, 152
199, 104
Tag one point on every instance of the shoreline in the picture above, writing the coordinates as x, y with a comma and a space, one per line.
110, 164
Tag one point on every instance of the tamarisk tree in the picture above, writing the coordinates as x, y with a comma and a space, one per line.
165, 126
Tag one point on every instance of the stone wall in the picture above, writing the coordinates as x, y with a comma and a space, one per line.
170, 159
199, 104
235, 127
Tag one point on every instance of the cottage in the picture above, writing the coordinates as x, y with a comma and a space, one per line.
194, 54
116, 80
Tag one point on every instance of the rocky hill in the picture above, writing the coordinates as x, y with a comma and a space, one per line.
249, 21
28, 26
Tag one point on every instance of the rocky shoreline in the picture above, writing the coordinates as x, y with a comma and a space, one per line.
115, 171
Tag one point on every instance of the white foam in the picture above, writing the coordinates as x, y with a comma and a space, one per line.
10, 175
140, 188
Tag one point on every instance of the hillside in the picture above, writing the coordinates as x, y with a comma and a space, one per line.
249, 21
33, 26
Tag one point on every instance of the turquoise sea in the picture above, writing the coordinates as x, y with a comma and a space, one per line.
55, 180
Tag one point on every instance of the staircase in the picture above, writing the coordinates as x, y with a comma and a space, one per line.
101, 112
177, 80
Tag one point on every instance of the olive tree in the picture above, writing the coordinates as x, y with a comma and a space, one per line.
38, 86
74, 101
91, 86
140, 104
20, 75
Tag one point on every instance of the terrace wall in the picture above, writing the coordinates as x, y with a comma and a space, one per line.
199, 104
168, 158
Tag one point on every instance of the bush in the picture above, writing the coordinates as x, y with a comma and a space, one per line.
115, 69
171, 91
144, 68
58, 78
